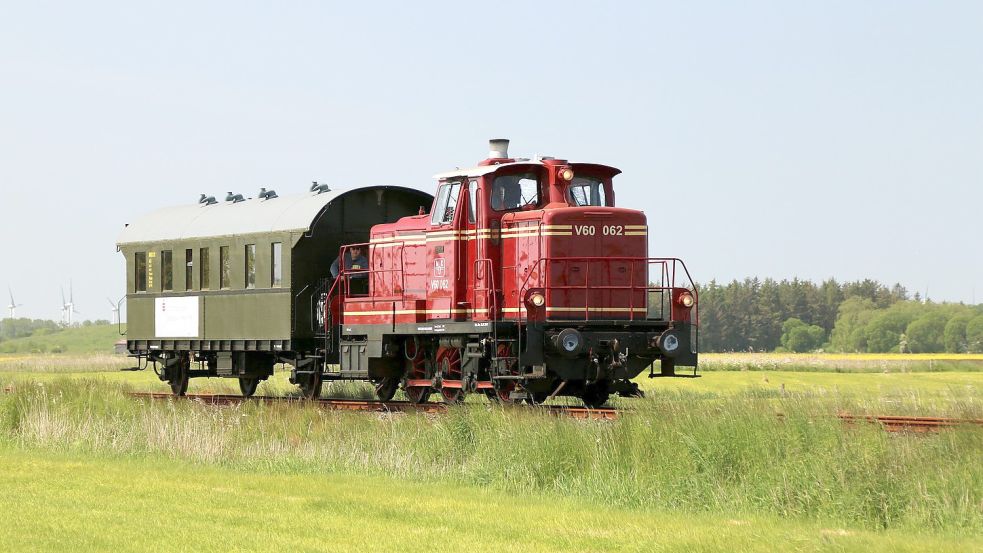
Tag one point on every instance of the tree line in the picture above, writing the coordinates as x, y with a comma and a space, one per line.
860, 316
23, 327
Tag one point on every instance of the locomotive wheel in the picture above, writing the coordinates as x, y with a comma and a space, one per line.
536, 398
416, 368
595, 395
449, 361
310, 386
248, 386
503, 388
419, 394
385, 388
179, 376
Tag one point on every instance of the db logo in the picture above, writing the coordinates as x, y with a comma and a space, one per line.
438, 267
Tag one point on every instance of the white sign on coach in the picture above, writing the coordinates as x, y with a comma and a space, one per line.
176, 317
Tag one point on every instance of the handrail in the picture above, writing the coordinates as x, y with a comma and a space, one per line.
668, 279
490, 275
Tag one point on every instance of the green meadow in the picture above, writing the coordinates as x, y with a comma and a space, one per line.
87, 502
699, 464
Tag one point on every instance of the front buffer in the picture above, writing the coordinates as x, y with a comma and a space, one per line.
596, 359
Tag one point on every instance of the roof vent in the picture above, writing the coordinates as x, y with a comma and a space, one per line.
498, 148
207, 200
265, 194
234, 198
318, 188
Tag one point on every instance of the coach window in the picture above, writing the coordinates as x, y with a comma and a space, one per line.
167, 270
250, 266
189, 269
446, 203
585, 191
515, 191
224, 267
140, 272
276, 267
203, 269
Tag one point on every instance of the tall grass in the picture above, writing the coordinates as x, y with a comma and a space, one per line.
841, 362
65, 363
670, 452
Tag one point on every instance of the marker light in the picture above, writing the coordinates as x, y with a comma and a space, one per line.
686, 299
566, 174
537, 299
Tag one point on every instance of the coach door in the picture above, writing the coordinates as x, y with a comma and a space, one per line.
446, 258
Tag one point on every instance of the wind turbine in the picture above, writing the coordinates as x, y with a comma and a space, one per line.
12, 308
115, 306
67, 308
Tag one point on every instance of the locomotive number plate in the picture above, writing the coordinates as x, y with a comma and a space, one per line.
606, 230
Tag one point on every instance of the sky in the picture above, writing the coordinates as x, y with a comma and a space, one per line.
771, 139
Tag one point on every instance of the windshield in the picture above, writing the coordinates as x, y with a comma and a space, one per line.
586, 191
515, 191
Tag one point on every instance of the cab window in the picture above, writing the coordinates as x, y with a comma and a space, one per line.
586, 191
472, 200
515, 191
446, 203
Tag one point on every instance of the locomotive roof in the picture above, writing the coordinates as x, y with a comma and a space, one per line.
480, 170
296, 212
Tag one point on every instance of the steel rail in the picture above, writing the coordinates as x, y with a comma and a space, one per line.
890, 423
898, 423
372, 405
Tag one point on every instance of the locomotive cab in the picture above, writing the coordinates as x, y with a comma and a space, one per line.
524, 280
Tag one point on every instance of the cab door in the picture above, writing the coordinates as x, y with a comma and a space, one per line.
446, 262
479, 268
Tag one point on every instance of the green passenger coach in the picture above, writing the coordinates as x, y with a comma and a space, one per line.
228, 289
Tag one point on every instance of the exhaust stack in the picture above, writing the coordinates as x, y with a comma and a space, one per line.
499, 148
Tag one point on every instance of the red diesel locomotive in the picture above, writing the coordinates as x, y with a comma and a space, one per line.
524, 282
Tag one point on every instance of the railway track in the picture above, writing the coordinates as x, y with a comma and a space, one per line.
371, 405
890, 423
894, 423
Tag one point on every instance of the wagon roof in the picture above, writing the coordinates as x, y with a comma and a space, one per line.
297, 212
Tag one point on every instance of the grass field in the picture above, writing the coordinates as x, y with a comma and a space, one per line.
700, 464
928, 390
58, 502
842, 362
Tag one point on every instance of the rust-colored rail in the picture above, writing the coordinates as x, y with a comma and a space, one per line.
894, 423
890, 423
372, 405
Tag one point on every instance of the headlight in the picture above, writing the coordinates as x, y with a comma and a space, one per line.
565, 174
537, 299
686, 299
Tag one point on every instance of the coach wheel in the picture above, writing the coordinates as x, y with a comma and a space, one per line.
179, 375
449, 361
310, 385
385, 388
248, 386
595, 395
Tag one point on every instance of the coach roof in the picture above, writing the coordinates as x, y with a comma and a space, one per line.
297, 213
